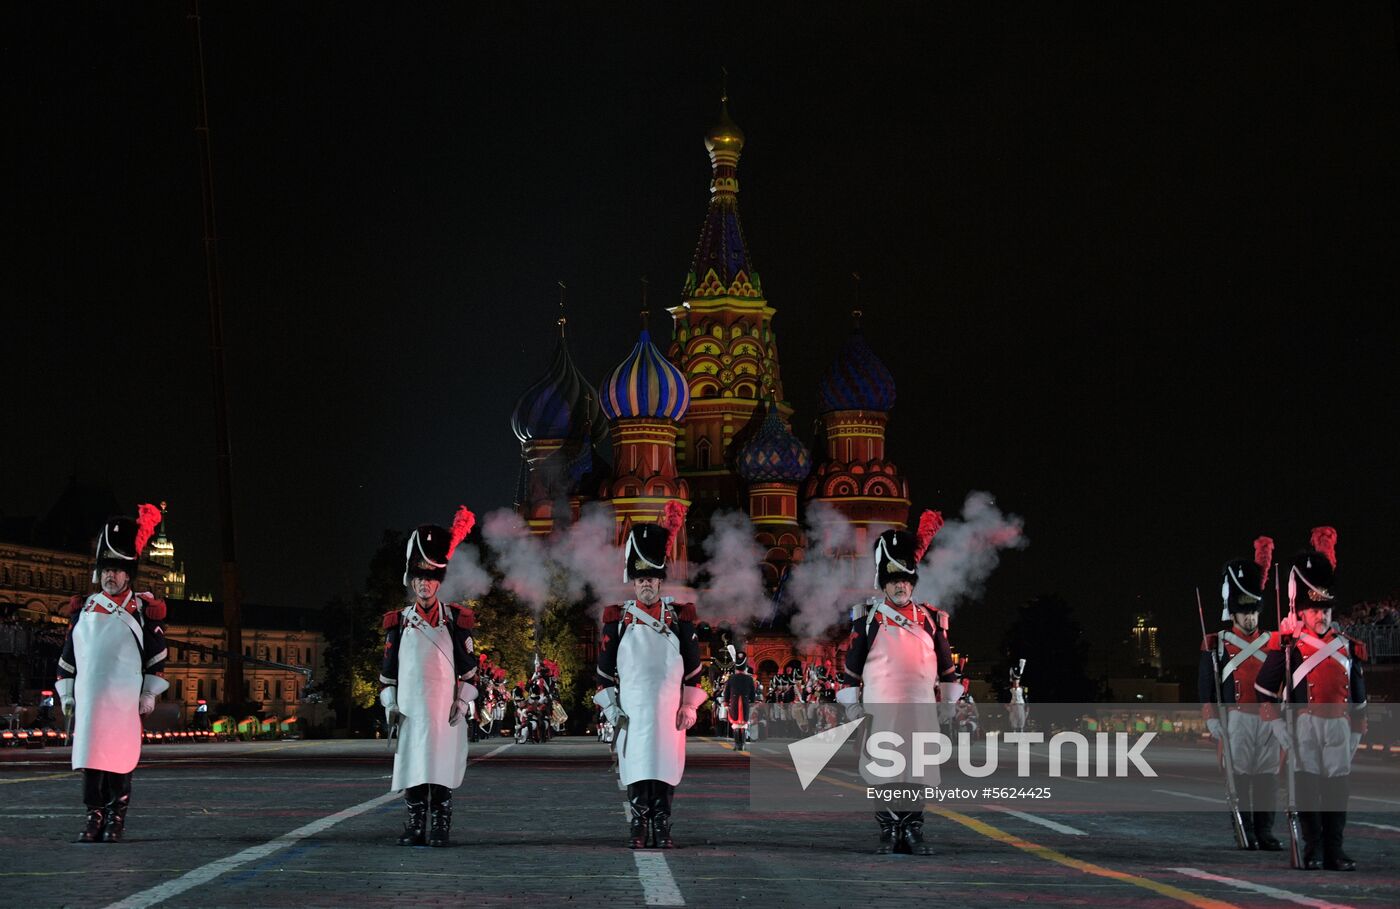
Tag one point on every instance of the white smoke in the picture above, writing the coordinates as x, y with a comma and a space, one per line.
586, 557
967, 551
520, 556
466, 578
820, 587
735, 592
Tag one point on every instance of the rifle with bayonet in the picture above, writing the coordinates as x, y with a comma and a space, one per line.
1232, 797
1295, 831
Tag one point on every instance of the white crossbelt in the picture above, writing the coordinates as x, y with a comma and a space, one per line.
1254, 648
657, 625
904, 624
1335, 649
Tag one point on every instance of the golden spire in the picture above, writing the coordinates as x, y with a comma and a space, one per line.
726, 139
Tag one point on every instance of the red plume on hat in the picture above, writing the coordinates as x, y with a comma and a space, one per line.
1324, 540
462, 524
148, 518
1264, 558
929, 524
673, 519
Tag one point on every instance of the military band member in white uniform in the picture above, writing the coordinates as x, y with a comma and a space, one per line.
1328, 691
649, 676
428, 670
898, 654
110, 674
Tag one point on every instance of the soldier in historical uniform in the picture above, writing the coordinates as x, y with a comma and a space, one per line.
898, 654
110, 674
649, 670
1239, 652
738, 699
1329, 691
427, 674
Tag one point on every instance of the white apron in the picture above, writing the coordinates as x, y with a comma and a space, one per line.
107, 688
649, 674
429, 750
902, 669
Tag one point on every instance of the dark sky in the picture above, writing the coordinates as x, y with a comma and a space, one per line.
1133, 266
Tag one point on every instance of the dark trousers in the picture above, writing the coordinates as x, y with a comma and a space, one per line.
102, 787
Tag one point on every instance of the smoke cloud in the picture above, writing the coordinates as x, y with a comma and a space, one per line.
733, 590
821, 587
586, 557
967, 551
466, 578
520, 556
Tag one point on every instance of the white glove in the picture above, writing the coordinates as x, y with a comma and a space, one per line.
64, 687
850, 699
1213, 726
1355, 741
685, 718
612, 709
1290, 625
1280, 730
389, 697
151, 686
466, 693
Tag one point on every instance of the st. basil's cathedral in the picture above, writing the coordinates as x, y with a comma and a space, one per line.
706, 421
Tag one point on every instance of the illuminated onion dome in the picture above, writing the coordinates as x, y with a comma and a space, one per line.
774, 454
559, 403
856, 379
725, 136
645, 385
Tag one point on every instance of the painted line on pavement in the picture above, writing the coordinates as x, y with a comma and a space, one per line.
1187, 795
35, 779
205, 873
1275, 892
1044, 822
1376, 826
1382, 801
1052, 855
659, 888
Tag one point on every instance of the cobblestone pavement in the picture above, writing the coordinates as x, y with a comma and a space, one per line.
310, 824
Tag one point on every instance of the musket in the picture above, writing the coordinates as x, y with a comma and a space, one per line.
393, 736
1295, 832
1232, 797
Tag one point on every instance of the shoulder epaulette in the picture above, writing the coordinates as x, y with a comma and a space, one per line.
1211, 641
1358, 649
465, 617
684, 611
939, 617
391, 619
75, 606
612, 614
153, 609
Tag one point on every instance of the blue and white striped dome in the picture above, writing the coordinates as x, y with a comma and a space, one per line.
645, 384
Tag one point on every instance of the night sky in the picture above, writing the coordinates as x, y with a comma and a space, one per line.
1134, 268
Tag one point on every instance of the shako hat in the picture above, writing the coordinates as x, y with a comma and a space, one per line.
430, 547
122, 539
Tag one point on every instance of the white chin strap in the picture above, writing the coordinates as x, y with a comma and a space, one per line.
413, 541
627, 559
1294, 576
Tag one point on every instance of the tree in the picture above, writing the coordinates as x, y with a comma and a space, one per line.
354, 630
1047, 635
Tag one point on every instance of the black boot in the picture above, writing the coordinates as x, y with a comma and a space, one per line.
442, 816
889, 828
640, 806
415, 829
911, 834
1264, 792
96, 818
1337, 791
661, 814
118, 800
